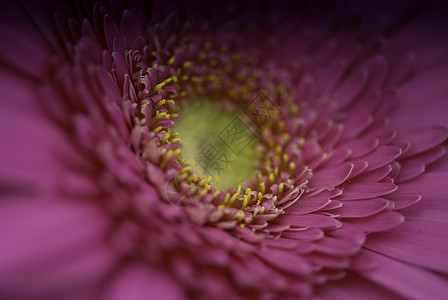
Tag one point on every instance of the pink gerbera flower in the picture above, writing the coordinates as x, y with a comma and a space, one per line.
225, 151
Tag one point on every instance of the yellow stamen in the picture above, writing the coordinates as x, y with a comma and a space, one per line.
165, 138
246, 198
162, 84
271, 178
292, 166
262, 187
260, 196
234, 196
226, 199
186, 64
175, 140
276, 171
280, 189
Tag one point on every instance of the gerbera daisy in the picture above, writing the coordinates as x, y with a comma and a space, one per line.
222, 150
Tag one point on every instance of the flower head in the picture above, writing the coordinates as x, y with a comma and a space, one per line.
235, 154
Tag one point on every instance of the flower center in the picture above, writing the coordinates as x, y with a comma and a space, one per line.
217, 143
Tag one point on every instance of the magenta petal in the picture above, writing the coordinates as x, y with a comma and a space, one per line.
285, 260
45, 243
337, 246
408, 281
281, 243
310, 220
414, 243
308, 234
381, 157
350, 88
358, 168
419, 240
424, 139
309, 205
338, 156
355, 124
362, 146
410, 169
140, 282
403, 200
353, 287
374, 176
329, 178
357, 191
329, 261
349, 231
430, 156
361, 208
379, 222
110, 31
333, 205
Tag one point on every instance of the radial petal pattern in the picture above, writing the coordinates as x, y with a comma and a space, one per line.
99, 200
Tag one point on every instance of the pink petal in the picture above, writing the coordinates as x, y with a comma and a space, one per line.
380, 222
362, 146
142, 282
381, 157
404, 279
286, 261
355, 124
348, 231
305, 206
430, 156
308, 234
353, 287
329, 261
410, 169
357, 191
403, 200
361, 208
310, 220
338, 156
337, 246
47, 242
358, 168
424, 139
330, 177
374, 176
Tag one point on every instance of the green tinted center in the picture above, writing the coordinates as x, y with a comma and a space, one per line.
217, 143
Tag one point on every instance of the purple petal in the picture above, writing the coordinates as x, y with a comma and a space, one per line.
310, 220
337, 246
424, 139
410, 169
362, 146
404, 279
329, 178
381, 157
374, 176
430, 156
355, 124
305, 206
286, 261
403, 200
353, 287
361, 208
308, 234
140, 282
357, 191
379, 222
